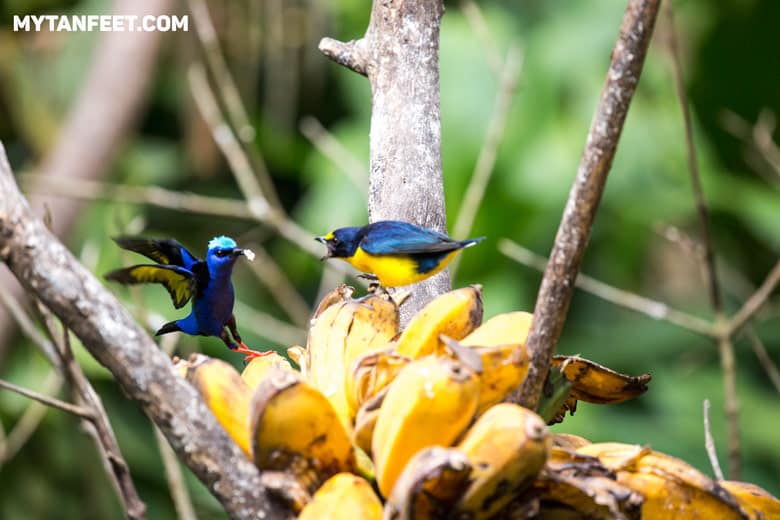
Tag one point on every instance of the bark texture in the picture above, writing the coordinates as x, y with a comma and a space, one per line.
557, 288
48, 271
400, 56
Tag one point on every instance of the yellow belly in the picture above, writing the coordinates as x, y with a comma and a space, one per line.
394, 270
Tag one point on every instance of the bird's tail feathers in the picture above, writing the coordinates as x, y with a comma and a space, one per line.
472, 241
171, 326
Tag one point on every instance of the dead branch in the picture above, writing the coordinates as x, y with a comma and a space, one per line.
47, 270
557, 286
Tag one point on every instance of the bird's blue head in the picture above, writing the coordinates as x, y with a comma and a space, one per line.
343, 242
222, 254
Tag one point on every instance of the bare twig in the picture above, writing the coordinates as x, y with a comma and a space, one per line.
709, 443
266, 326
279, 285
755, 302
236, 113
473, 15
351, 54
79, 411
557, 286
472, 200
759, 136
331, 148
652, 308
173, 474
25, 323
763, 356
725, 345
46, 269
30, 420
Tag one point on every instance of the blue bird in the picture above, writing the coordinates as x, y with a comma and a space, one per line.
186, 277
393, 252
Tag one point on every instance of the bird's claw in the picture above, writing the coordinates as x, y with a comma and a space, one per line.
250, 354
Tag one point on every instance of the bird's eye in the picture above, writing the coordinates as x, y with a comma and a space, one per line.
335, 241
220, 252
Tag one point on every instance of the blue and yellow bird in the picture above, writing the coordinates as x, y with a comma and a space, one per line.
396, 253
207, 282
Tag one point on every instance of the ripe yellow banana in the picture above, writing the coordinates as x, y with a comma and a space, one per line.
370, 374
294, 427
342, 332
343, 497
429, 484
454, 314
256, 369
667, 484
500, 343
431, 402
506, 447
594, 383
759, 503
226, 395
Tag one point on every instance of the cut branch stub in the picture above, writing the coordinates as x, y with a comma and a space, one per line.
400, 56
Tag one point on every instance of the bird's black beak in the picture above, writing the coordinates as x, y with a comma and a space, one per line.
238, 252
321, 240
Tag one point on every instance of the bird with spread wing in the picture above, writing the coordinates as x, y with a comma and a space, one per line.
206, 282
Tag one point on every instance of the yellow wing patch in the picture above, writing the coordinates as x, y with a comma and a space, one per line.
180, 284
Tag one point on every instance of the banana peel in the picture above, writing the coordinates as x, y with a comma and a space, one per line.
295, 428
370, 374
506, 447
256, 369
225, 393
756, 501
594, 383
365, 422
431, 402
454, 314
669, 485
343, 497
429, 484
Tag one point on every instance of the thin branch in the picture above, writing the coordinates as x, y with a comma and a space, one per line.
266, 326
50, 272
725, 345
25, 323
763, 356
78, 411
652, 308
475, 192
474, 17
331, 148
236, 113
759, 136
755, 302
693, 165
30, 420
557, 285
279, 285
709, 443
181, 497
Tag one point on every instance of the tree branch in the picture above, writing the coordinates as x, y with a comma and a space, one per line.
400, 55
78, 411
557, 286
145, 374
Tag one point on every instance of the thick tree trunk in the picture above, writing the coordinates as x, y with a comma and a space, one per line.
400, 56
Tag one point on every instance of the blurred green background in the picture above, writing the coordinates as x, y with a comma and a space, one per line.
730, 63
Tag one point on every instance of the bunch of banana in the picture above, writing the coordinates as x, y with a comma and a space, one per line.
409, 424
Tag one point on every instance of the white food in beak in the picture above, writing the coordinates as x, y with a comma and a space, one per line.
249, 254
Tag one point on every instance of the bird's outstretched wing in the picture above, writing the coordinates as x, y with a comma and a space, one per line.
180, 282
400, 238
168, 251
